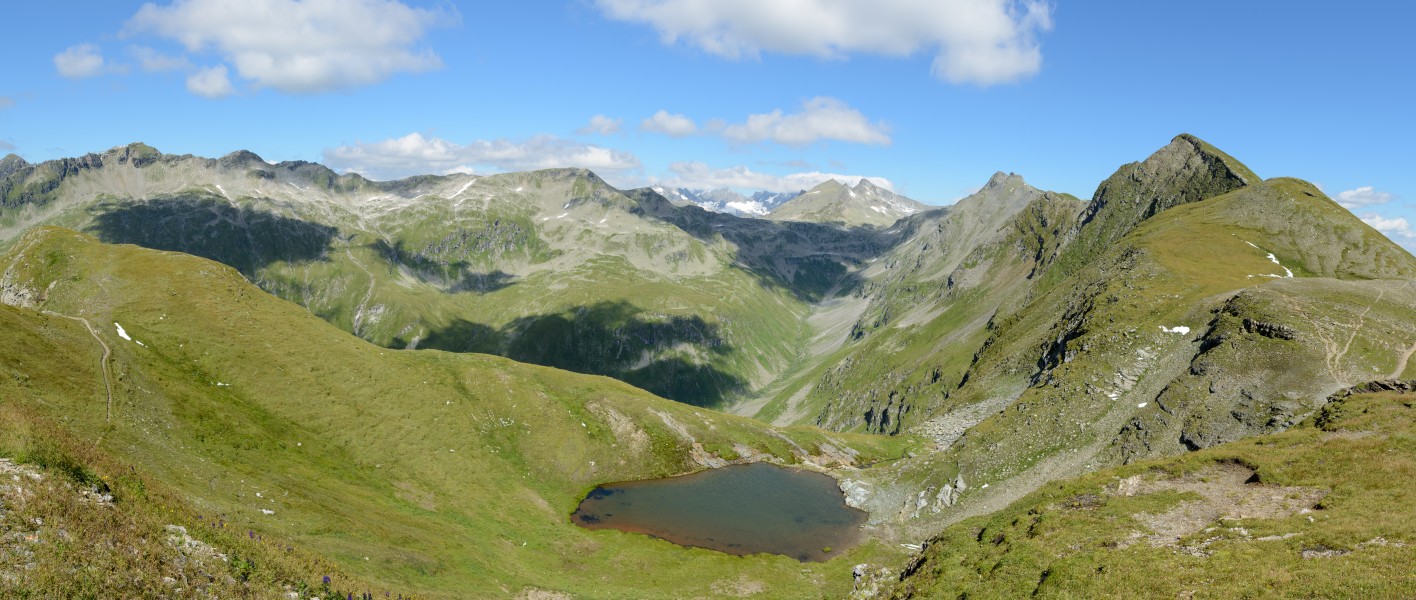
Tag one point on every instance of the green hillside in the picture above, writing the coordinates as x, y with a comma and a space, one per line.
1323, 510
1183, 333
447, 475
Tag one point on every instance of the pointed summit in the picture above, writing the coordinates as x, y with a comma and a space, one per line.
1186, 170
10, 164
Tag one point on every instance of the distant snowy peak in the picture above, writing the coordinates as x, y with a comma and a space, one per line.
836, 202
771, 200
725, 200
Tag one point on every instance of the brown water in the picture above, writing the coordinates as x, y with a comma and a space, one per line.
741, 509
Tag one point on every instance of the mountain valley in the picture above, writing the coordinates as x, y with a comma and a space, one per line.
421, 378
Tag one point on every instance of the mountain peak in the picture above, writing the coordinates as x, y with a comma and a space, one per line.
10, 164
832, 201
1186, 170
1187, 146
1002, 179
242, 158
138, 153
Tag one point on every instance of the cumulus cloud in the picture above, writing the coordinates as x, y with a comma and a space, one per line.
415, 154
821, 118
669, 124
1362, 196
983, 42
1392, 227
602, 125
78, 62
697, 175
153, 61
300, 46
210, 82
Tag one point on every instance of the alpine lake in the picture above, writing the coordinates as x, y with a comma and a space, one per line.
738, 509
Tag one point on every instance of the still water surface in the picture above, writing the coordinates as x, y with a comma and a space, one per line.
741, 509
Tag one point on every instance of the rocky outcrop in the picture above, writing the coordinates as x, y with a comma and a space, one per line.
1269, 330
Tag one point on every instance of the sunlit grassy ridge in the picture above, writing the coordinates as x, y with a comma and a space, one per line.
445, 474
1326, 512
1183, 332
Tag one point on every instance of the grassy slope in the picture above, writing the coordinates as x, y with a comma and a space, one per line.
1189, 266
1082, 538
463, 272
452, 474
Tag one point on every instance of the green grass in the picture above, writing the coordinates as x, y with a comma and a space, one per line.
453, 474
1075, 539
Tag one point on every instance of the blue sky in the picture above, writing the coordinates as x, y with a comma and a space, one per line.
932, 97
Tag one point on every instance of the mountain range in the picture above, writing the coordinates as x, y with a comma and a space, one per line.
725, 200
944, 363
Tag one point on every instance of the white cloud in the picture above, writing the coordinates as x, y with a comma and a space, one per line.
1392, 227
415, 154
821, 118
1362, 196
6, 102
669, 124
210, 82
984, 42
697, 175
602, 125
78, 62
301, 46
153, 61
6, 146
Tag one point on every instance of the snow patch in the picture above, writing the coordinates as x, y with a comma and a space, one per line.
562, 215
750, 207
1180, 329
1142, 405
121, 333
878, 209
267, 511
519, 189
464, 188
223, 191
1274, 259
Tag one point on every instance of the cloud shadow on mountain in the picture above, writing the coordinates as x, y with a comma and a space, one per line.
667, 355
239, 236
451, 276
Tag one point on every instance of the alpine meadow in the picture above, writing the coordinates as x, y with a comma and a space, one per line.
671, 299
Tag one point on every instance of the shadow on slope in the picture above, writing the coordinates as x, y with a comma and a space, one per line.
811, 260
197, 224
666, 355
453, 276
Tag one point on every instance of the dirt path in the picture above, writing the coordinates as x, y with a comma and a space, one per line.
1401, 362
103, 362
